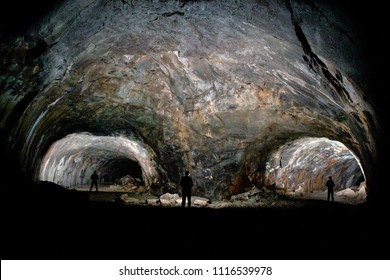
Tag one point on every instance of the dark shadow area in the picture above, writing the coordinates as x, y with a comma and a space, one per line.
45, 221
116, 168
17, 16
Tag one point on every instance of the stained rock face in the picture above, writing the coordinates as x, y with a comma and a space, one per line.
216, 87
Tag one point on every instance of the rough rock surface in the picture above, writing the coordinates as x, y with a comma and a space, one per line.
216, 87
258, 98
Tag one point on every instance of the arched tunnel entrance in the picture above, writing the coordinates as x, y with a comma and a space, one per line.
117, 168
70, 161
302, 167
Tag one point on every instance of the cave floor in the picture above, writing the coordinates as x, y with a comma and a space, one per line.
99, 228
107, 194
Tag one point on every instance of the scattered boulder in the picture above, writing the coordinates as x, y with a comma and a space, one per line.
200, 202
126, 180
347, 192
168, 198
252, 194
362, 194
153, 201
128, 199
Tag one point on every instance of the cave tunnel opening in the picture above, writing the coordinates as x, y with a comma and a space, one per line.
302, 166
114, 170
71, 160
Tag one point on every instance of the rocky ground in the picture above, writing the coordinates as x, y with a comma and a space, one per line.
47, 221
264, 198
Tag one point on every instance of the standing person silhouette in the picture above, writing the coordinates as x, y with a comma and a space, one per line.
330, 185
186, 185
94, 180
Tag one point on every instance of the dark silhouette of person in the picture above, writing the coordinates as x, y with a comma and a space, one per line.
186, 184
330, 185
94, 180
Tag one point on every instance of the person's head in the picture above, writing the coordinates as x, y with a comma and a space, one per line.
187, 172
330, 177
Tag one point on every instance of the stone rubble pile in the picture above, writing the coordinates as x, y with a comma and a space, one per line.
265, 197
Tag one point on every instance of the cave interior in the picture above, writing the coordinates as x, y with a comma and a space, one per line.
270, 95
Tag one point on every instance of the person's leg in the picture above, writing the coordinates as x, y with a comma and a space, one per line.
183, 199
90, 189
328, 194
189, 199
96, 187
332, 196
